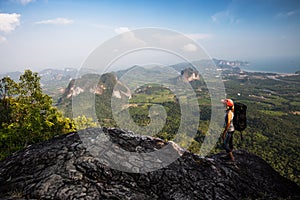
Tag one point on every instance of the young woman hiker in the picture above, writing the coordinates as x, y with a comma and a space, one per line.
227, 134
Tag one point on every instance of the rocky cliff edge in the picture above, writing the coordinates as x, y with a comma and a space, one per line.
62, 168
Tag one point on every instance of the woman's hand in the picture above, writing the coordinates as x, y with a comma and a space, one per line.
223, 135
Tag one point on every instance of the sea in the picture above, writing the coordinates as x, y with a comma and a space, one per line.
275, 65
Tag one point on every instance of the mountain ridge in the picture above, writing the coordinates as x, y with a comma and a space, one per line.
49, 74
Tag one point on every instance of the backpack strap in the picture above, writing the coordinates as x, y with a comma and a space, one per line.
239, 144
241, 134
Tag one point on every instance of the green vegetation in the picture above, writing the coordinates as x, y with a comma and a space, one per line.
82, 122
27, 115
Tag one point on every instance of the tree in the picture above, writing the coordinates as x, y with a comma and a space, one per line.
8, 88
28, 115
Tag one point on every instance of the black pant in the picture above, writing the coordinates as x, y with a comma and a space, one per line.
228, 144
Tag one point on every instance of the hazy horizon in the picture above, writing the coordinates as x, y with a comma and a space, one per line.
283, 65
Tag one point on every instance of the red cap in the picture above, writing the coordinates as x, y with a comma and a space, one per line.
228, 102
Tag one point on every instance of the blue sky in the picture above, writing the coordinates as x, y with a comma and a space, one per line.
61, 33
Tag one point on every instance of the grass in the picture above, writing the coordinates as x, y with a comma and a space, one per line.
273, 113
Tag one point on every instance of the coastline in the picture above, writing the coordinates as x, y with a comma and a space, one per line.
247, 69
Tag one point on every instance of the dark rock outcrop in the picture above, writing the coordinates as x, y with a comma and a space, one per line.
95, 84
189, 74
62, 168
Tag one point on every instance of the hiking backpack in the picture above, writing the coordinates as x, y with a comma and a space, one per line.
239, 119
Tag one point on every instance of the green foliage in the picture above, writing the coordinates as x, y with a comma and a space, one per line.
27, 115
82, 122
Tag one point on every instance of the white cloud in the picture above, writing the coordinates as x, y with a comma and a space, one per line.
225, 16
23, 2
2, 39
287, 14
8, 22
121, 30
57, 21
183, 41
190, 47
129, 37
199, 36
215, 17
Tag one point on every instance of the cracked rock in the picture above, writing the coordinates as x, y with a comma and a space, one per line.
64, 168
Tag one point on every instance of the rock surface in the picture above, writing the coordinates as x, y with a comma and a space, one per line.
62, 168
